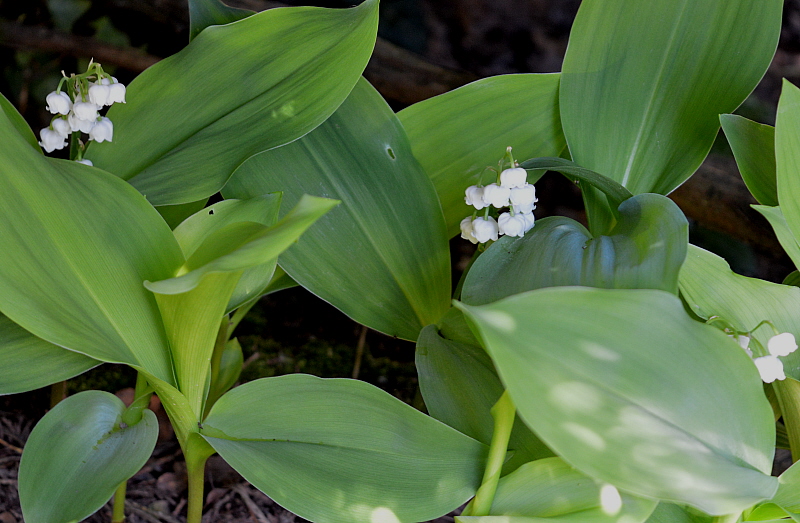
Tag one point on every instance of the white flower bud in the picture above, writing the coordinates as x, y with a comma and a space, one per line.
103, 130
484, 229
495, 195
782, 344
511, 225
515, 177
474, 196
523, 198
85, 162
98, 94
770, 368
85, 111
62, 127
51, 140
58, 103
80, 125
466, 230
116, 93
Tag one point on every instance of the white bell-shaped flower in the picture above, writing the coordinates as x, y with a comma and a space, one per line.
770, 368
496, 195
474, 196
515, 177
782, 344
62, 127
116, 93
466, 230
529, 220
51, 140
511, 225
103, 131
85, 162
80, 125
58, 103
98, 94
484, 229
85, 111
523, 198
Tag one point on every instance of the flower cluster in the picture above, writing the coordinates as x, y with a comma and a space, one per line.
770, 367
77, 108
512, 191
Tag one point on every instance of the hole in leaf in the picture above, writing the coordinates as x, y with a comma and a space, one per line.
211, 211
390, 152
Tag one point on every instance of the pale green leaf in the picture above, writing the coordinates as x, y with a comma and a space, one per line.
29, 362
607, 377
643, 83
77, 456
234, 91
753, 146
787, 155
343, 451
382, 257
670, 513
458, 134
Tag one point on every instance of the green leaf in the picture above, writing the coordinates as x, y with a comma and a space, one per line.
243, 245
787, 239
456, 135
793, 279
550, 488
77, 244
711, 288
382, 257
787, 155
234, 91
30, 363
78, 455
343, 451
175, 214
753, 146
460, 386
788, 495
229, 370
195, 229
669, 513
644, 250
606, 377
203, 13
643, 83
18, 123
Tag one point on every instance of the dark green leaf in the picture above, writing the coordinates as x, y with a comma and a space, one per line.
753, 145
203, 13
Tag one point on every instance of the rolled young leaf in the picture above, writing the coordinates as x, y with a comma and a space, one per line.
602, 376
77, 456
753, 146
659, 75
343, 451
382, 257
234, 91
456, 135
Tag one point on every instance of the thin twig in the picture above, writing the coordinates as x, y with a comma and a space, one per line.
148, 514
241, 489
8, 481
362, 339
10, 446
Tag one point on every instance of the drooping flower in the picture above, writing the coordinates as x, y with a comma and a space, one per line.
51, 140
58, 103
484, 229
474, 196
116, 92
770, 368
515, 177
61, 126
99, 94
529, 220
496, 195
466, 230
85, 111
523, 198
782, 344
511, 225
78, 124
103, 130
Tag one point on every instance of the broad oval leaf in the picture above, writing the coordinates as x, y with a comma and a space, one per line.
659, 74
606, 378
787, 155
343, 451
29, 362
460, 386
753, 146
456, 135
234, 91
644, 250
382, 257
552, 490
78, 455
77, 244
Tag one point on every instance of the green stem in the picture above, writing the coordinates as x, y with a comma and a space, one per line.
503, 413
118, 511
196, 451
58, 391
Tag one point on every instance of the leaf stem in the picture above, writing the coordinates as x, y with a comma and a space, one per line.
196, 451
503, 413
118, 510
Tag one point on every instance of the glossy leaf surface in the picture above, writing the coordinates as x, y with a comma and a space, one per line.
77, 456
456, 135
382, 257
343, 451
603, 377
753, 145
77, 244
643, 83
644, 250
29, 362
234, 91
